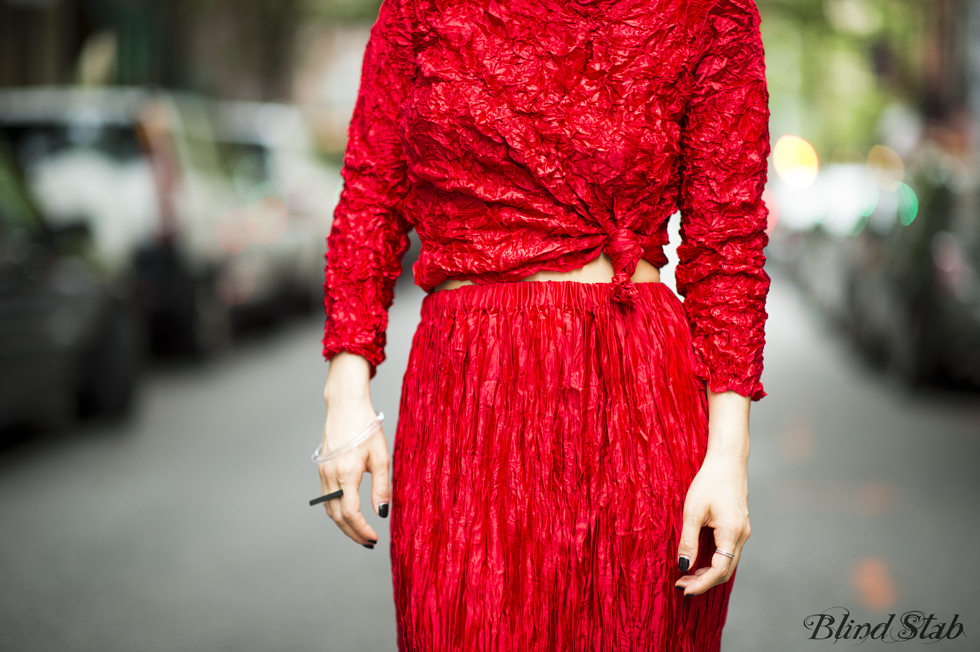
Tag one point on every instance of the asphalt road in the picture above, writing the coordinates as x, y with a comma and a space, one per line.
187, 527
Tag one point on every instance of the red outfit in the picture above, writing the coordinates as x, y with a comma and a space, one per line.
546, 440
525, 136
533, 135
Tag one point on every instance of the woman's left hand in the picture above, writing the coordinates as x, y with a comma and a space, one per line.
717, 498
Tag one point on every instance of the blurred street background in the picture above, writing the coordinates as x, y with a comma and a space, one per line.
168, 172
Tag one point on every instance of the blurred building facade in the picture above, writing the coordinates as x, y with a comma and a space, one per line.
235, 50
306, 52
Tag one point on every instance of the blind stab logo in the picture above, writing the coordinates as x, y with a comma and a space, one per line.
836, 624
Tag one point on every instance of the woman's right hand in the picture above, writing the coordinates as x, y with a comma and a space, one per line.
349, 411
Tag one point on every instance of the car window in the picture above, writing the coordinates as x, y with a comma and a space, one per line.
33, 144
16, 210
196, 131
250, 165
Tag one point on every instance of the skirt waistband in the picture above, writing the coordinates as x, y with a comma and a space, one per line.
523, 294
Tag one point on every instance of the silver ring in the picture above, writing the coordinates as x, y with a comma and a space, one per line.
727, 554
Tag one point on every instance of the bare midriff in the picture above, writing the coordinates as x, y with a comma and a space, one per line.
599, 270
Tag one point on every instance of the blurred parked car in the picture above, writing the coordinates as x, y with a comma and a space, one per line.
903, 280
914, 292
141, 168
69, 340
270, 152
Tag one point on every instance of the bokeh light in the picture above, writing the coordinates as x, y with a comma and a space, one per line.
796, 441
908, 203
260, 191
854, 16
796, 161
872, 579
773, 206
230, 232
954, 273
886, 167
235, 283
875, 498
267, 220
848, 195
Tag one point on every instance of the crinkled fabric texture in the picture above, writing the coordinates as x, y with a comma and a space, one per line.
533, 135
546, 441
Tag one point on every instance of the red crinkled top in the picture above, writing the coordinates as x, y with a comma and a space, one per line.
533, 135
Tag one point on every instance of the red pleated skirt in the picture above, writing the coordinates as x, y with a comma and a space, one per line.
546, 440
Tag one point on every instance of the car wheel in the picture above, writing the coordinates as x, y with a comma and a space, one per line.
910, 356
862, 324
210, 323
112, 367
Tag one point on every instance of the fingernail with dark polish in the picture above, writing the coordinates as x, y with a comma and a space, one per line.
683, 563
688, 595
373, 541
383, 510
679, 587
368, 546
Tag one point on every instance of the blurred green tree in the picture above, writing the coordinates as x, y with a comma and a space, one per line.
834, 65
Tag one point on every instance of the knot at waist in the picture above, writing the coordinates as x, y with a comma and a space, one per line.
624, 250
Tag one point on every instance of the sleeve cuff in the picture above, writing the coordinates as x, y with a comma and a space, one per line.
720, 380
372, 354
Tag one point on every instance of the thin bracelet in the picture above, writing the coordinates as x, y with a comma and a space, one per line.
320, 457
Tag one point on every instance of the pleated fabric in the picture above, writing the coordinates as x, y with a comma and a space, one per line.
546, 439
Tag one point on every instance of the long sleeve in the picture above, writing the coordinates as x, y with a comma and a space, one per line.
369, 234
725, 147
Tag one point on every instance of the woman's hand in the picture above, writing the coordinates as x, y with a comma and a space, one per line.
349, 412
718, 495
